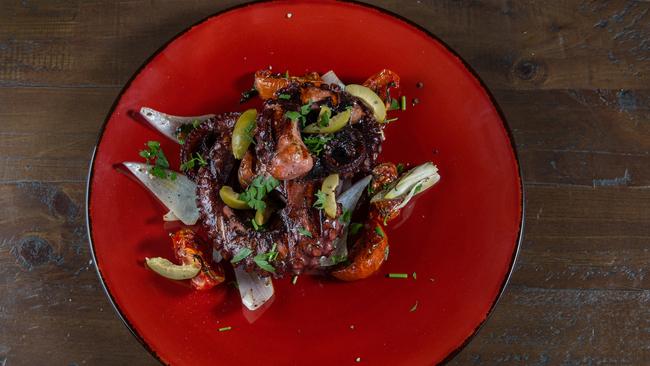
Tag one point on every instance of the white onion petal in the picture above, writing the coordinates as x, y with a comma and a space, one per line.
253, 289
178, 195
331, 78
168, 124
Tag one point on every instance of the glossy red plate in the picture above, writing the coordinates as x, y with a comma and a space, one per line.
461, 237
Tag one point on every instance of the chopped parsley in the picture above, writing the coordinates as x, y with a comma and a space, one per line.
394, 104
379, 231
338, 258
305, 109
316, 143
398, 275
320, 200
355, 227
345, 216
248, 94
294, 280
256, 226
154, 154
257, 190
403, 102
225, 329
391, 120
243, 253
262, 260
415, 306
183, 130
192, 162
284, 96
400, 168
304, 232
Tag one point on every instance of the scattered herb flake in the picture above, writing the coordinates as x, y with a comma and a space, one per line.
320, 200
304, 232
248, 94
155, 156
345, 216
391, 120
400, 168
294, 280
225, 329
415, 306
355, 227
415, 276
305, 109
316, 143
284, 96
292, 115
243, 253
394, 104
379, 231
403, 102
257, 190
398, 275
262, 261
190, 164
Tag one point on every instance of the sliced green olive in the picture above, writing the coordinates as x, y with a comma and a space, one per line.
328, 187
263, 215
370, 98
336, 123
242, 133
173, 271
231, 198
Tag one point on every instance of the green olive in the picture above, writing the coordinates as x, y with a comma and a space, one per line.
329, 187
336, 123
369, 98
173, 271
263, 215
231, 198
242, 133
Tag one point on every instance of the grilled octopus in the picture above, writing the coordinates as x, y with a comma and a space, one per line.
297, 233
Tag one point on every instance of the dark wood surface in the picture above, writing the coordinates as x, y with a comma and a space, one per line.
572, 78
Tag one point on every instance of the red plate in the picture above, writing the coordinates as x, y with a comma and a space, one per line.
461, 237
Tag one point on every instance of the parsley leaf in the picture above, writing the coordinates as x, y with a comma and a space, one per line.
345, 216
243, 253
304, 232
262, 259
400, 168
284, 96
355, 227
184, 130
305, 109
316, 143
320, 200
394, 104
379, 231
257, 190
190, 164
156, 157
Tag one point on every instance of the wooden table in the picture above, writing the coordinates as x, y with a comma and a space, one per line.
572, 78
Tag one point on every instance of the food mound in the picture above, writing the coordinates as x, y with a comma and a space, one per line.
275, 191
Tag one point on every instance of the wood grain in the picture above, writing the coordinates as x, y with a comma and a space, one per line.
571, 76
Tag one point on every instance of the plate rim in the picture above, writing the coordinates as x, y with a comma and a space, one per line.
483, 87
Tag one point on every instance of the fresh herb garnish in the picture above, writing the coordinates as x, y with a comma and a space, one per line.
183, 130
243, 253
398, 275
192, 162
320, 200
324, 116
415, 306
418, 188
257, 190
305, 109
379, 231
403, 102
304, 232
338, 258
294, 280
156, 157
391, 120
262, 259
400, 168
394, 104
415, 276
345, 216
248, 94
256, 226
286, 74
224, 329
355, 227
284, 96
316, 143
